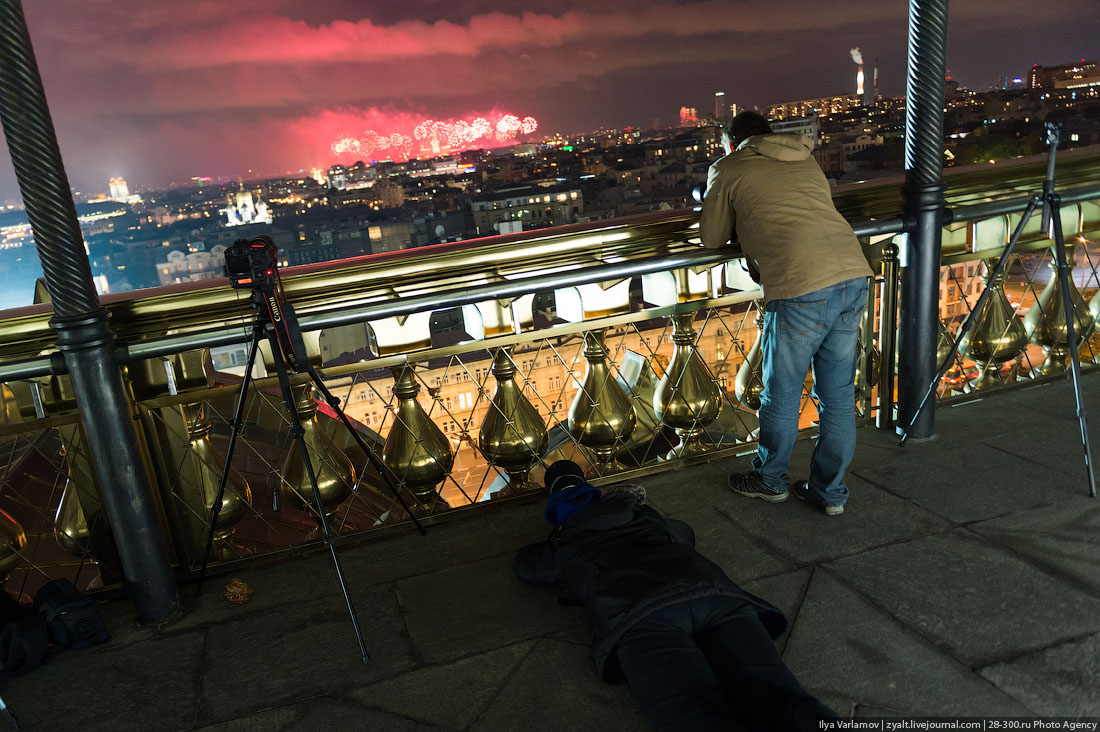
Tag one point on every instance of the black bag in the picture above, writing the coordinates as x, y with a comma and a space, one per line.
23, 638
73, 620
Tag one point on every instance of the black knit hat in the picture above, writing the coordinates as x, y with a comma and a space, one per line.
563, 474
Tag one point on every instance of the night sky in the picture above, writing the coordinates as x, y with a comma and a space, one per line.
158, 92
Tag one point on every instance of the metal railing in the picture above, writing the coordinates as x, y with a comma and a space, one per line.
621, 345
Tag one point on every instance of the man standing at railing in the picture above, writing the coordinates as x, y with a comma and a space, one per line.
769, 196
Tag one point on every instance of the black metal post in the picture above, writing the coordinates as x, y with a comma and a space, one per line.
924, 203
83, 335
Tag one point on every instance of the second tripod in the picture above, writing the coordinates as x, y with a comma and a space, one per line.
1050, 202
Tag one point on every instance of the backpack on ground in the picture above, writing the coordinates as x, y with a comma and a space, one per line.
74, 620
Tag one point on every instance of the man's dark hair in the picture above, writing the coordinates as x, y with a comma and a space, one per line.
745, 125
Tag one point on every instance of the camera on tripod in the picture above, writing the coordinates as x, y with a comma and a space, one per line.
252, 263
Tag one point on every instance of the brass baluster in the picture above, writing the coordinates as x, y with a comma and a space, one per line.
200, 476
513, 435
70, 528
867, 370
416, 451
602, 415
686, 398
1045, 323
998, 336
334, 472
748, 383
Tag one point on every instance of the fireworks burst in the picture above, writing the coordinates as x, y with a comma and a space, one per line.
433, 137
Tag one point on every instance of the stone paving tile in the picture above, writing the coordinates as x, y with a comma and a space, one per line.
843, 644
316, 715
971, 596
295, 580
1056, 446
556, 688
986, 415
478, 607
145, 687
870, 711
1060, 681
731, 547
520, 524
844, 707
445, 545
300, 579
1064, 537
448, 695
785, 591
969, 483
681, 489
796, 530
298, 651
1055, 398
121, 622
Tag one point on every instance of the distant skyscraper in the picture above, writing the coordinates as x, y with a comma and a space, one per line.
719, 97
119, 190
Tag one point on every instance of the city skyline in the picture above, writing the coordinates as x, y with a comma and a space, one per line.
259, 88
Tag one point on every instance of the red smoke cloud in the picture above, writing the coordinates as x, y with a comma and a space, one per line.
280, 40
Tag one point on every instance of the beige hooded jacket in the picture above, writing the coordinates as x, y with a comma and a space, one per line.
771, 198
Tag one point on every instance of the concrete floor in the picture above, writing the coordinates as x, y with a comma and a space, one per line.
964, 579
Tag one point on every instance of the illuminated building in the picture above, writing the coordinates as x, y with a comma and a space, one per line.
337, 177
1068, 76
245, 207
191, 266
529, 207
119, 190
823, 106
810, 126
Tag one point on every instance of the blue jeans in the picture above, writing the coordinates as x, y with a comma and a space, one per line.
819, 329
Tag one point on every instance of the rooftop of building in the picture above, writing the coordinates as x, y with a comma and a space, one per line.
963, 579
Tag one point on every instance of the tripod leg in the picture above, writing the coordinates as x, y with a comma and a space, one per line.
1065, 275
978, 309
13, 721
335, 404
236, 425
299, 434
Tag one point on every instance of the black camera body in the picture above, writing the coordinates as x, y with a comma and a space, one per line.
252, 263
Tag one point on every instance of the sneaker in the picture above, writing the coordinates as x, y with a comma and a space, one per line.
751, 485
803, 493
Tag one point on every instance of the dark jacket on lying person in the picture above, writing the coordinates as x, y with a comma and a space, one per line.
623, 561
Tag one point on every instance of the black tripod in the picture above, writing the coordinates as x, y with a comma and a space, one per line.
275, 320
1051, 207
